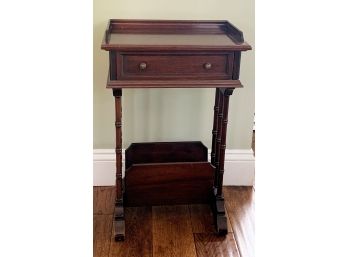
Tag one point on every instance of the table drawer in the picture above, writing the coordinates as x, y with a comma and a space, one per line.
174, 66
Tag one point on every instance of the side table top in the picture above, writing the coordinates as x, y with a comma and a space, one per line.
146, 35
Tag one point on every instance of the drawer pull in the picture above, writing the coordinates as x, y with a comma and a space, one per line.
142, 66
207, 66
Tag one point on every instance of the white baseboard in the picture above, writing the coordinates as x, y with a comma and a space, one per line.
239, 167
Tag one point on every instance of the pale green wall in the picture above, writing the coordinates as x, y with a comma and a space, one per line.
172, 114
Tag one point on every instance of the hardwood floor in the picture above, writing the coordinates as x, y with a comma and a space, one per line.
176, 230
138, 232
241, 215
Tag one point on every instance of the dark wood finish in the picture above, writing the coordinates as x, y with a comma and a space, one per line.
119, 224
172, 26
219, 212
202, 41
223, 35
118, 125
119, 228
189, 52
201, 218
219, 146
173, 83
222, 139
112, 65
236, 65
147, 66
215, 127
240, 206
101, 235
104, 200
209, 245
140, 231
173, 54
172, 232
169, 183
216, 144
138, 242
162, 152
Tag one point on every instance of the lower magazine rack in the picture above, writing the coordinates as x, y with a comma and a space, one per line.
169, 173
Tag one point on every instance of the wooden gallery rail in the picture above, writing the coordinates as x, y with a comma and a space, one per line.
173, 54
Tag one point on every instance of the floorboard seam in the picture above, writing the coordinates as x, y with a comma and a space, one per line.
193, 234
152, 231
110, 233
234, 235
152, 241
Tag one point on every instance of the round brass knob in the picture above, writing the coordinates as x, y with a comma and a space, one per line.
207, 66
142, 66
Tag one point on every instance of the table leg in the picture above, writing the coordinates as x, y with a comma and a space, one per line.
218, 136
119, 224
219, 146
215, 127
226, 96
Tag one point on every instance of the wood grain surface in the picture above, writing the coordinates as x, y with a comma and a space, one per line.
174, 66
176, 230
104, 200
102, 225
211, 245
126, 35
201, 218
138, 240
239, 202
202, 83
172, 232
229, 225
161, 152
184, 183
171, 40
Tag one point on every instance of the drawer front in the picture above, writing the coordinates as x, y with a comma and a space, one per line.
174, 66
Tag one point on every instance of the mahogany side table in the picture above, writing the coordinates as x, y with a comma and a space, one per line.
173, 54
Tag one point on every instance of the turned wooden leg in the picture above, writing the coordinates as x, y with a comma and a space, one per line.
226, 96
119, 224
218, 136
215, 127
220, 146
